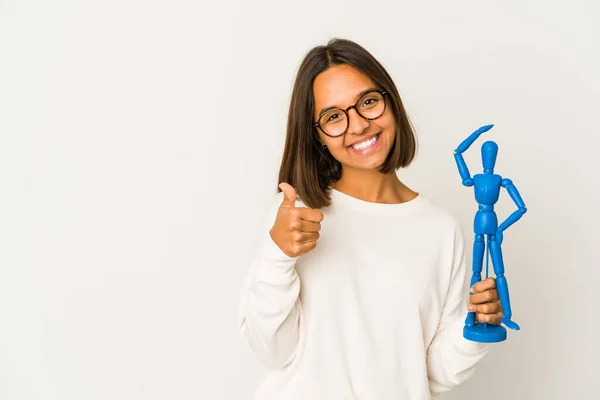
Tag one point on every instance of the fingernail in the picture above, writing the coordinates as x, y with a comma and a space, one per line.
470, 307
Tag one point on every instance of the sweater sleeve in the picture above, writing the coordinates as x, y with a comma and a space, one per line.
269, 306
452, 358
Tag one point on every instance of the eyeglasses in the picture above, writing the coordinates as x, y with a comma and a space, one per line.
334, 123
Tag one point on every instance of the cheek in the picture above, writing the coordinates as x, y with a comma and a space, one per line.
336, 149
331, 143
388, 123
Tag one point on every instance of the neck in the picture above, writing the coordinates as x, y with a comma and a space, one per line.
373, 186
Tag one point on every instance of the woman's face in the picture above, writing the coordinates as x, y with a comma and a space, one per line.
341, 86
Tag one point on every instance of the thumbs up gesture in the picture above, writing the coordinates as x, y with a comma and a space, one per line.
296, 229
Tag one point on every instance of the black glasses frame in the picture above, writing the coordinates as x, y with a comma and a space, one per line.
355, 106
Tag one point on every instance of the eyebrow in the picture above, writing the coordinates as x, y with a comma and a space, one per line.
358, 96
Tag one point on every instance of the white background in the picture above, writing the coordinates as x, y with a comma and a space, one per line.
139, 146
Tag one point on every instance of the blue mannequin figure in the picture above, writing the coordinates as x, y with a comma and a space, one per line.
487, 191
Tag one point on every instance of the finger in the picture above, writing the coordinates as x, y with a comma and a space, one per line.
493, 319
309, 226
486, 284
308, 246
289, 195
309, 237
488, 308
309, 214
484, 297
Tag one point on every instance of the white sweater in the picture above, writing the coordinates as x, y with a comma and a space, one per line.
374, 312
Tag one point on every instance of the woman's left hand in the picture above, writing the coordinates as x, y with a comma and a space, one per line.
485, 302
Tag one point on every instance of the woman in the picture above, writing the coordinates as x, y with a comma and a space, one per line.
358, 290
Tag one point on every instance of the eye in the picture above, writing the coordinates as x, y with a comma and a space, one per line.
332, 117
369, 102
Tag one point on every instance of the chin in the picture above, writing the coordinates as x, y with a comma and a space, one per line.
367, 164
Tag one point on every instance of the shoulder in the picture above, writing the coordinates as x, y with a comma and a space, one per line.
445, 228
441, 215
449, 236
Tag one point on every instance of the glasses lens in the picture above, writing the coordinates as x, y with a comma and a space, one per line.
371, 105
333, 122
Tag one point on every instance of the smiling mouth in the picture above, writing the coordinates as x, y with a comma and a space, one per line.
365, 144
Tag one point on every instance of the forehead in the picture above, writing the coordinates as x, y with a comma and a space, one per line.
338, 86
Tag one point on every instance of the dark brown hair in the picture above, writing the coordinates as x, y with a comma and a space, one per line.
306, 165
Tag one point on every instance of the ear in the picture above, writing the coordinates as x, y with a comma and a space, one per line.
321, 143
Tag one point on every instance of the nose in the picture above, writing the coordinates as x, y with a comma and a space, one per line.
356, 123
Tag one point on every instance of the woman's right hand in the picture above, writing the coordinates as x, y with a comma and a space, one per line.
296, 229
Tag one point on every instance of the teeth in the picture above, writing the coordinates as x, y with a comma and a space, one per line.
364, 145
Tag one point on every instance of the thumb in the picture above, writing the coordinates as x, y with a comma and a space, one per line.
289, 195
